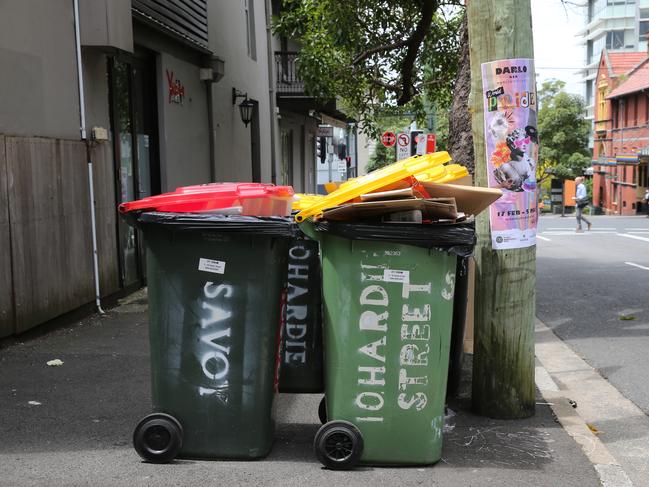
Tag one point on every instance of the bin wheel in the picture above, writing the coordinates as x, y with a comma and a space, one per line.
338, 445
158, 438
322, 411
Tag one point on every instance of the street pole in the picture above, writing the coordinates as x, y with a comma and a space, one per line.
503, 363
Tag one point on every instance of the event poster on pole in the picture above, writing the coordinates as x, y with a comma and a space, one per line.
512, 145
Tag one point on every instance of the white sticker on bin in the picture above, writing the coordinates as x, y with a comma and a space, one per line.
213, 266
394, 275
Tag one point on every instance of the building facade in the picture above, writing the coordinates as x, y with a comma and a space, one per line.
317, 139
621, 133
614, 25
148, 92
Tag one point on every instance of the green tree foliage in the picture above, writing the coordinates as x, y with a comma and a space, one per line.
382, 157
563, 132
380, 57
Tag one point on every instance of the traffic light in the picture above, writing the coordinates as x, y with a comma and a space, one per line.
321, 149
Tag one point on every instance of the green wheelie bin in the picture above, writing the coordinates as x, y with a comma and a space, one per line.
388, 293
301, 357
301, 369
214, 286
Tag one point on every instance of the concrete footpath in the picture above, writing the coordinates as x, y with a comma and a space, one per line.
72, 425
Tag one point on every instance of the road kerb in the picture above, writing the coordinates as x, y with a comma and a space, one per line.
610, 473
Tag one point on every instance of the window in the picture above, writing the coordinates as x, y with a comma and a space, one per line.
615, 39
286, 163
642, 176
601, 104
644, 28
249, 10
590, 84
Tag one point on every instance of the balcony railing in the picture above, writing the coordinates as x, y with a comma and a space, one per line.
288, 82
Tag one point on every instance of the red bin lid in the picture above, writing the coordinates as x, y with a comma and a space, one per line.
206, 197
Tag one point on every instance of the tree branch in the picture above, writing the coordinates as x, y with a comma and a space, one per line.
387, 86
374, 50
414, 43
430, 82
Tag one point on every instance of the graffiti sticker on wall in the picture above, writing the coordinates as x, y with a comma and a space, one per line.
512, 146
176, 88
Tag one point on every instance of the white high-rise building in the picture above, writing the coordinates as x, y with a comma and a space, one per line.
618, 26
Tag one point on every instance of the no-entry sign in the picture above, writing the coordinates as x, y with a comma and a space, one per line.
388, 139
403, 146
403, 140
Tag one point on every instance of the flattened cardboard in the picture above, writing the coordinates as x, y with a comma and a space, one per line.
440, 208
395, 194
469, 199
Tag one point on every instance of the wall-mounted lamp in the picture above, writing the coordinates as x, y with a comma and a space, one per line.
246, 107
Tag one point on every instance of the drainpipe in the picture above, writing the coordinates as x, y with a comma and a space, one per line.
210, 125
82, 118
271, 93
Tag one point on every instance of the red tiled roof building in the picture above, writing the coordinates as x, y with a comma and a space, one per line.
621, 148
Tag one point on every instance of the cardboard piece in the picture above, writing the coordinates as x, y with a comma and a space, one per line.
435, 209
469, 199
395, 194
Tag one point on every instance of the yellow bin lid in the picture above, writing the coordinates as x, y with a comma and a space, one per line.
453, 172
303, 200
375, 180
431, 175
442, 174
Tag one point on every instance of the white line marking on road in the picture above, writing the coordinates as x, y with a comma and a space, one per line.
597, 229
579, 233
543, 238
646, 229
645, 239
637, 265
638, 231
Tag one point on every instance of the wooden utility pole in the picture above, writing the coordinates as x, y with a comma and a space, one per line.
503, 362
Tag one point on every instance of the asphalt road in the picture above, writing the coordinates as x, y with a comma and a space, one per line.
593, 291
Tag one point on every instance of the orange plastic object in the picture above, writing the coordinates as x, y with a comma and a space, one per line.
255, 199
375, 180
331, 186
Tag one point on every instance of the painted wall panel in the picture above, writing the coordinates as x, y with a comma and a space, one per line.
6, 291
50, 232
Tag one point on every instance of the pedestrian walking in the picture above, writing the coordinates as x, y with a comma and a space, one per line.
581, 202
646, 202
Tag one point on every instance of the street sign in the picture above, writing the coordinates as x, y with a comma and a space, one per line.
325, 131
414, 137
421, 144
403, 146
431, 142
388, 139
